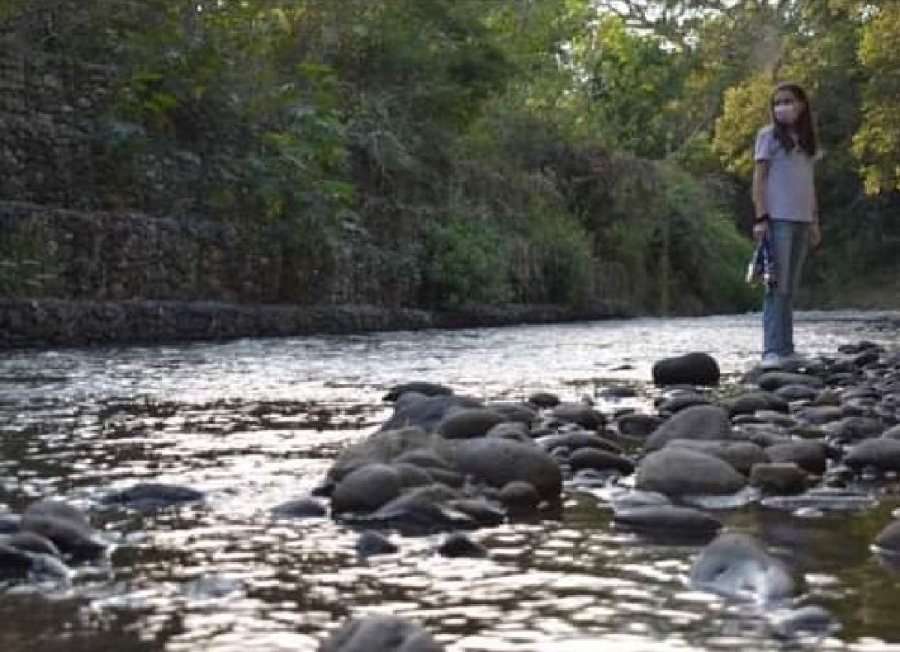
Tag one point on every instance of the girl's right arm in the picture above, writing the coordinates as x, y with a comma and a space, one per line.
760, 174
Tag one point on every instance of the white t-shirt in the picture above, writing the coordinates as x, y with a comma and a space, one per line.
790, 189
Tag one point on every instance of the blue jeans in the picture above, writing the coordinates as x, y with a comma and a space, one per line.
789, 242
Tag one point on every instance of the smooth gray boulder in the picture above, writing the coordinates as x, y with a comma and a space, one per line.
888, 540
576, 440
755, 402
152, 494
519, 497
300, 508
797, 392
737, 566
773, 380
881, 453
426, 412
419, 387
411, 445
668, 520
371, 543
851, 429
497, 462
782, 478
366, 489
677, 471
808, 455
599, 460
741, 455
468, 423
579, 413
380, 634
67, 527
695, 368
638, 425
703, 422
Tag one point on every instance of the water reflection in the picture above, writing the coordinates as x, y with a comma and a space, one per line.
255, 423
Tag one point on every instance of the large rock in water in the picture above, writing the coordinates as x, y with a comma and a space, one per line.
380, 634
425, 412
705, 422
469, 423
690, 369
64, 525
677, 471
418, 387
387, 446
668, 520
808, 455
737, 566
881, 453
741, 455
497, 462
366, 489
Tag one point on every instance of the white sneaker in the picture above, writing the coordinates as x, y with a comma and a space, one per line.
771, 361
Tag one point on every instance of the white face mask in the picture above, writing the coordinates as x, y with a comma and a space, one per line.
786, 113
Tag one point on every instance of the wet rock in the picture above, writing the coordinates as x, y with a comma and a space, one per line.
366, 489
459, 545
447, 477
468, 423
599, 460
808, 455
850, 429
771, 381
300, 508
678, 471
544, 400
510, 430
638, 425
411, 445
419, 387
828, 397
699, 422
484, 513
755, 402
668, 519
677, 403
690, 369
380, 634
822, 499
809, 621
9, 523
411, 475
797, 393
418, 518
741, 455
777, 418
820, 414
882, 454
577, 440
763, 434
31, 542
152, 494
888, 540
64, 525
14, 563
785, 478
737, 566
371, 543
426, 412
423, 458
519, 497
579, 413
514, 413
497, 462
624, 499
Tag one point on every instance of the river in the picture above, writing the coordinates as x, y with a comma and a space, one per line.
256, 422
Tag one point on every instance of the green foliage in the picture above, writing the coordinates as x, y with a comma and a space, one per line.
466, 264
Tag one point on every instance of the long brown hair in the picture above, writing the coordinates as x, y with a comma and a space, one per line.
806, 132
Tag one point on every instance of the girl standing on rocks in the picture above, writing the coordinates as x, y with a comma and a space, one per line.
787, 213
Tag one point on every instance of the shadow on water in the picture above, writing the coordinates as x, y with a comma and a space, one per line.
257, 422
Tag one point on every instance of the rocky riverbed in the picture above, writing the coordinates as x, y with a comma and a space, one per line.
719, 507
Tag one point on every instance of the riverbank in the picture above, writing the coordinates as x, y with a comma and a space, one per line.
33, 323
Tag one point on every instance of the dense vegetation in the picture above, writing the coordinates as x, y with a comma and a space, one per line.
503, 150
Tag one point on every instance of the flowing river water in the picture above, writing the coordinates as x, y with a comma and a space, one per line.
254, 423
